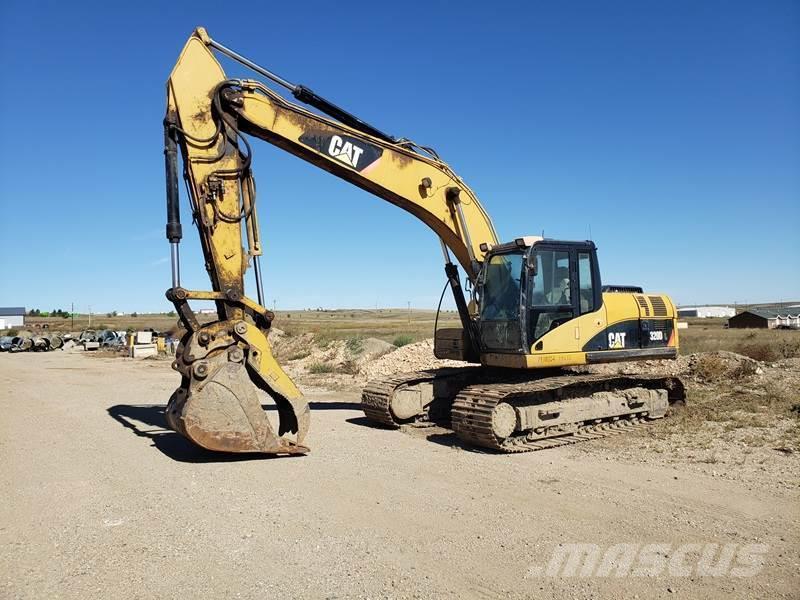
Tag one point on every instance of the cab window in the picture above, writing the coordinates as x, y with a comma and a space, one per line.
551, 282
585, 282
549, 296
500, 302
501, 287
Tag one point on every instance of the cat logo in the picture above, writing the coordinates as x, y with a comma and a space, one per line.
616, 340
356, 154
347, 152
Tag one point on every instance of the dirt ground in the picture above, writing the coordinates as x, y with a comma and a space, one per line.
99, 500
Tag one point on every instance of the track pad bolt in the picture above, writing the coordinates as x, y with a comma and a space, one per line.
235, 354
240, 328
201, 369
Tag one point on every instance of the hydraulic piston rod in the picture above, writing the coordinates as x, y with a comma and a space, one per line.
174, 232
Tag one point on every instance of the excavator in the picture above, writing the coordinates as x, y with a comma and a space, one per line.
534, 306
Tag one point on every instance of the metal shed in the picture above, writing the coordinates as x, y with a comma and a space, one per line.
767, 318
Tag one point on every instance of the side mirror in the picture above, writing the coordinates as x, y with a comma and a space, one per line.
530, 261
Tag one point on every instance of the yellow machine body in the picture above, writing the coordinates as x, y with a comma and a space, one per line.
619, 319
223, 364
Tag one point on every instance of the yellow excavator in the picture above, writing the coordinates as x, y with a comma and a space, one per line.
535, 305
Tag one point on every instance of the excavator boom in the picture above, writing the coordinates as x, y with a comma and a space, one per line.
225, 363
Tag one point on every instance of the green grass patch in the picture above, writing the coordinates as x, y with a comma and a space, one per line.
355, 344
403, 340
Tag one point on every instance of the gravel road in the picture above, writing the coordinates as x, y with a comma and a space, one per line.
98, 500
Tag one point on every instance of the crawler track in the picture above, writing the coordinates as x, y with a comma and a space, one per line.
473, 406
473, 410
376, 397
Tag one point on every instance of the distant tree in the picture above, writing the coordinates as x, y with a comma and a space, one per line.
171, 313
134, 314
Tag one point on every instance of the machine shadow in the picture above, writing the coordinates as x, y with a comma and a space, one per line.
171, 444
448, 439
326, 406
177, 447
451, 440
365, 422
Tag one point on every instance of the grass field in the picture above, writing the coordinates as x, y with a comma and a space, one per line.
391, 325
326, 325
384, 324
709, 335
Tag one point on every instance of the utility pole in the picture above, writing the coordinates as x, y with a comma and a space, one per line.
409, 312
90, 316
72, 315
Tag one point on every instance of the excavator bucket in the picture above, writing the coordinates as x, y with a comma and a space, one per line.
218, 404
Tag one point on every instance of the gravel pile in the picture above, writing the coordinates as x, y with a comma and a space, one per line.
693, 365
369, 358
300, 354
412, 357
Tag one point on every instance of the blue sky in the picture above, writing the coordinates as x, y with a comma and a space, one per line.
671, 130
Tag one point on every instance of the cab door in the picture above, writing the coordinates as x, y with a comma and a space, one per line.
592, 319
500, 301
563, 293
551, 289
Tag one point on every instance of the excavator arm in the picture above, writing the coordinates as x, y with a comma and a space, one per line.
208, 118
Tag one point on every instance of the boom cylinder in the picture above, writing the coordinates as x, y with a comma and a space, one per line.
174, 231
305, 95
302, 93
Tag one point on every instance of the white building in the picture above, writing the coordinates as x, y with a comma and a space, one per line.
706, 311
13, 316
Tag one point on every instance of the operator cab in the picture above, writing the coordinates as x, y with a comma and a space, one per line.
531, 286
